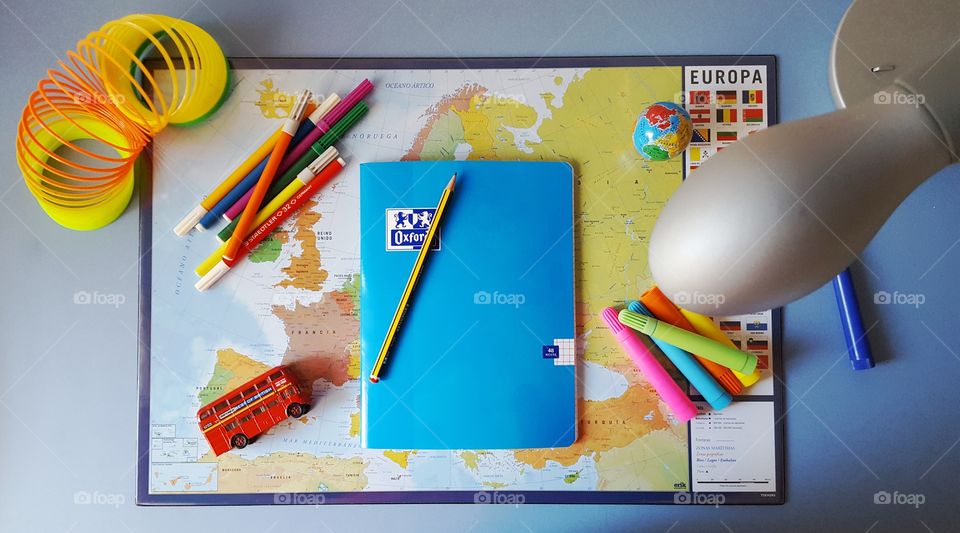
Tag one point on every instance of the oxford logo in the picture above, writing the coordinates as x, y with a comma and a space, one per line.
407, 228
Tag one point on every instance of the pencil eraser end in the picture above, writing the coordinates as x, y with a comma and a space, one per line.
374, 379
189, 221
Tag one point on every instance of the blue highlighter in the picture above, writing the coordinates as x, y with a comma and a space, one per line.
712, 392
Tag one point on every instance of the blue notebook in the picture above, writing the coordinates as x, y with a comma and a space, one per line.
485, 356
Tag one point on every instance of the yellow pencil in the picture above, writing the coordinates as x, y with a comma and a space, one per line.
411, 282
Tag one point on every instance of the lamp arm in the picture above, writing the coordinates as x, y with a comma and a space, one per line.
776, 215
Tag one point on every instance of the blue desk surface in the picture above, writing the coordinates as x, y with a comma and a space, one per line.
68, 372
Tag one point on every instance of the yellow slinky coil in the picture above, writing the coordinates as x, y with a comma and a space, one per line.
103, 99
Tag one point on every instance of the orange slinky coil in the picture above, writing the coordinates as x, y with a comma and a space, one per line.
86, 124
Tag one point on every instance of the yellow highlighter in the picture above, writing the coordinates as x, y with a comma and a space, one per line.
304, 177
706, 327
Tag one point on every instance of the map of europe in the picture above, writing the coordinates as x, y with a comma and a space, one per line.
295, 301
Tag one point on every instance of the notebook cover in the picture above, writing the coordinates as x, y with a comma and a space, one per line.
485, 355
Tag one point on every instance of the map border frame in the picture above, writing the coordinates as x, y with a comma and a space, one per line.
145, 188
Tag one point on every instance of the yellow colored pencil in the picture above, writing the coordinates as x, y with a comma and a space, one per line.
411, 282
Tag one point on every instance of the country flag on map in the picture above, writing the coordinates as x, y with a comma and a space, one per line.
696, 154
756, 344
728, 116
736, 342
699, 98
726, 97
752, 97
763, 362
700, 116
701, 135
752, 115
730, 325
726, 135
756, 326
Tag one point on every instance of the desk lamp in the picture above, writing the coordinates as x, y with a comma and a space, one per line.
776, 215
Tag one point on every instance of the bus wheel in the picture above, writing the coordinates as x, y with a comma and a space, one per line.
239, 440
295, 410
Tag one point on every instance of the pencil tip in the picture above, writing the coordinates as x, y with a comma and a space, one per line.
453, 181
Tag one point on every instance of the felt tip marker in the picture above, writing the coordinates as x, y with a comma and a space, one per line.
707, 348
678, 402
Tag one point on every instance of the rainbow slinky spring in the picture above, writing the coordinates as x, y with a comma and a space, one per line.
103, 94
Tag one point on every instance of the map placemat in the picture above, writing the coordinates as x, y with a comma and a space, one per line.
295, 301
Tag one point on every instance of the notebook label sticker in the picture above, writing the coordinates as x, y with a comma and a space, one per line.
407, 229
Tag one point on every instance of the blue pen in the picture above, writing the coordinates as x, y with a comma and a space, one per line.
712, 392
211, 217
858, 347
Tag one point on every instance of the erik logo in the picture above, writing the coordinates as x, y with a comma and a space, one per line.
407, 229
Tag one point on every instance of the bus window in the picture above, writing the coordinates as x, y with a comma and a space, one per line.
273, 403
261, 409
231, 426
275, 376
220, 407
250, 393
206, 414
246, 419
265, 384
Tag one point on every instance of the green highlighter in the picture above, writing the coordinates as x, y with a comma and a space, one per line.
316, 149
710, 349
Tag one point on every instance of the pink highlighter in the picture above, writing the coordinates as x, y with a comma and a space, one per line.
666, 387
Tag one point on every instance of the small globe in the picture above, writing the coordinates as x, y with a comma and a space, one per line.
663, 131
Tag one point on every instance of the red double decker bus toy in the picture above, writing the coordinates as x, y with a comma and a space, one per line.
238, 417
